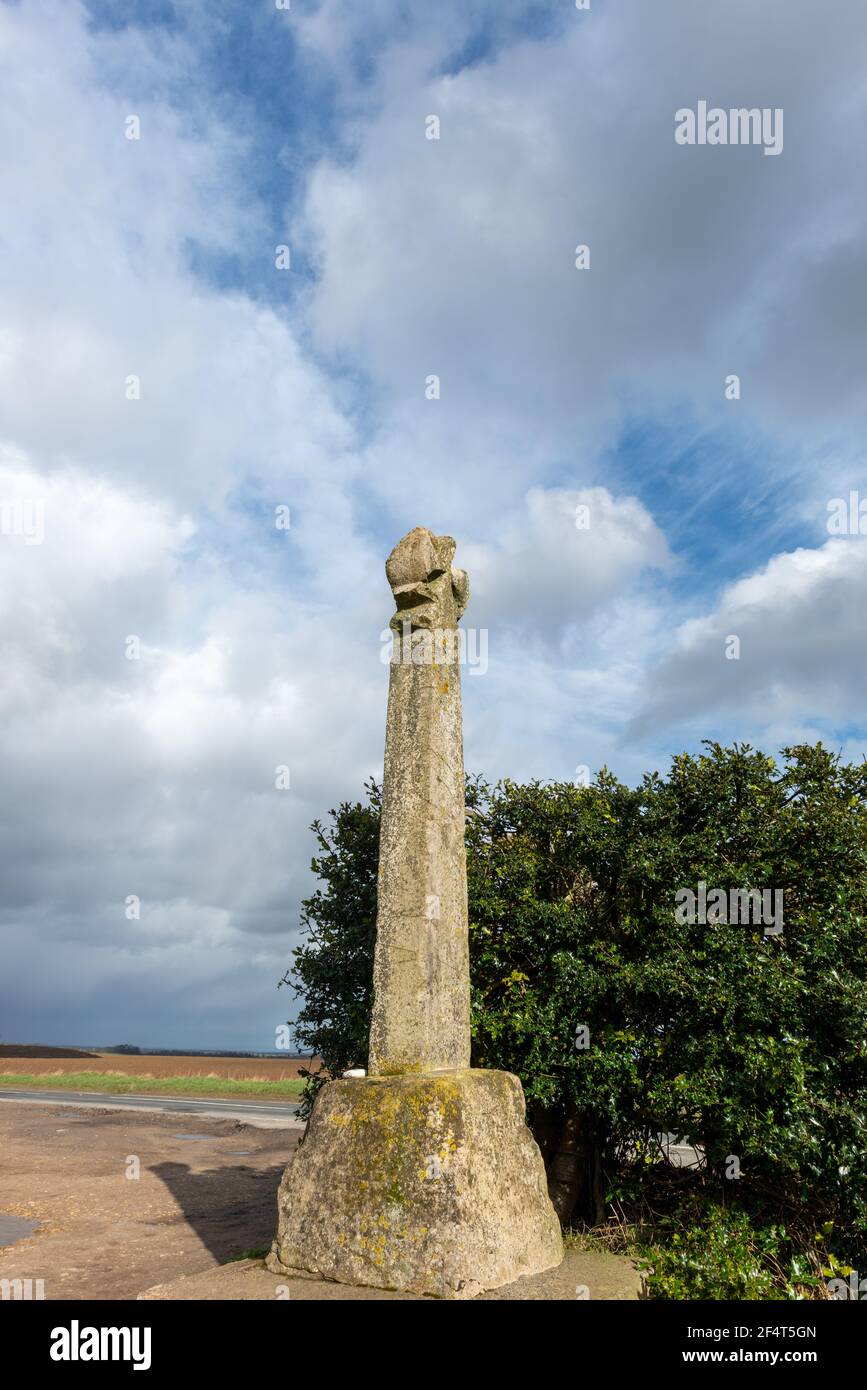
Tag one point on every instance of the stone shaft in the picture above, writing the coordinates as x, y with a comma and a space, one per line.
421, 1011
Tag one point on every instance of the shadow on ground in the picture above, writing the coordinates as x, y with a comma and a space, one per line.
231, 1209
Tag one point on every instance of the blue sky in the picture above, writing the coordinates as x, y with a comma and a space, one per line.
304, 388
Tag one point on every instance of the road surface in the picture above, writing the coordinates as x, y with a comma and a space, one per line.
262, 1114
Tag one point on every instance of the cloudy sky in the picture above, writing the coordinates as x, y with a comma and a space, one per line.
169, 386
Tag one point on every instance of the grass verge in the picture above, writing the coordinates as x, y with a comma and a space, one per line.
120, 1084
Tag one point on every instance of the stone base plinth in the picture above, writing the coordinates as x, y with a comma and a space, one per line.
422, 1183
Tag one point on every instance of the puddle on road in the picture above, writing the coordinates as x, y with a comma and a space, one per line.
195, 1136
238, 1153
13, 1228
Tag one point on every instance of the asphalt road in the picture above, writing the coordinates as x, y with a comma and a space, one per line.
262, 1114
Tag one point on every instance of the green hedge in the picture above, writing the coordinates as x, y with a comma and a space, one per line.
624, 1022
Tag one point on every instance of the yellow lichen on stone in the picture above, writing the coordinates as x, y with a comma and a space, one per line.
377, 1220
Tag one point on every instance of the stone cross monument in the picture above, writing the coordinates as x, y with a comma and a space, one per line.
421, 1176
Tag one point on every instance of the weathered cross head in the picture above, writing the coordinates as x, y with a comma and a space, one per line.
430, 592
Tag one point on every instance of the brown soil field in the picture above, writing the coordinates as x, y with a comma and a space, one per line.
197, 1202
40, 1061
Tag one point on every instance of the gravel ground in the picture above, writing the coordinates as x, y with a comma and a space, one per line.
197, 1203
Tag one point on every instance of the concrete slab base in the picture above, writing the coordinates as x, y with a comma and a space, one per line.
580, 1276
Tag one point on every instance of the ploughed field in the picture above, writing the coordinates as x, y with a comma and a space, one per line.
30, 1065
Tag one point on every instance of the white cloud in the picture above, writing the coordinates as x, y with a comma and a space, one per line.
560, 558
456, 256
155, 777
801, 624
